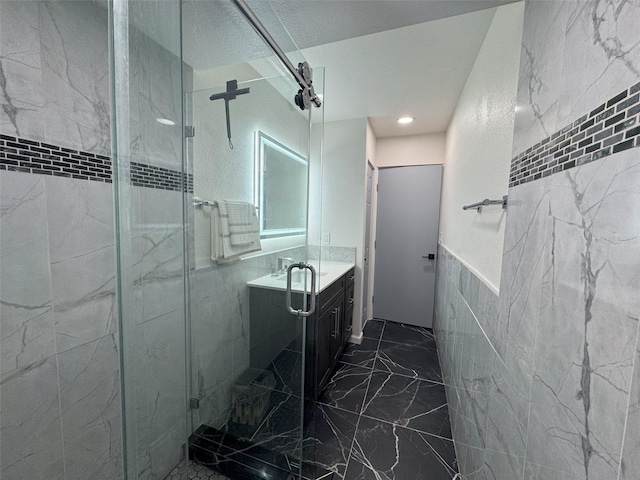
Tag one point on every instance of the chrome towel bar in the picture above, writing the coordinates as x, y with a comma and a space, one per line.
485, 202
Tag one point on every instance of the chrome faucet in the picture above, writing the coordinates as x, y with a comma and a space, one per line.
283, 263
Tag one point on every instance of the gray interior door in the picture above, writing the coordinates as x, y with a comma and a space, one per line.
406, 235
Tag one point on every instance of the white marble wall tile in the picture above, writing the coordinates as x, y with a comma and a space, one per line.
540, 73
508, 414
30, 425
20, 65
584, 362
162, 281
473, 407
630, 462
499, 466
155, 92
525, 261
81, 242
75, 74
213, 337
84, 298
471, 462
27, 328
91, 410
80, 216
162, 362
601, 55
163, 452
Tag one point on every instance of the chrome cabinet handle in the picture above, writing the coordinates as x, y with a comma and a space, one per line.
336, 322
351, 300
352, 277
312, 308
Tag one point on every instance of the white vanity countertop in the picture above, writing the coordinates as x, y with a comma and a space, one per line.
328, 273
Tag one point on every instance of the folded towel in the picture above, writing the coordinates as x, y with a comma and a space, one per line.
234, 230
241, 220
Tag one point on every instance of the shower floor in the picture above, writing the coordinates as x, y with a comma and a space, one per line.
194, 471
383, 415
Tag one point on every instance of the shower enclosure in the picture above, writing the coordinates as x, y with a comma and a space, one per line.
208, 376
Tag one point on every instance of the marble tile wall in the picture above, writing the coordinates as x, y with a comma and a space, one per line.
466, 310
60, 383
220, 329
546, 384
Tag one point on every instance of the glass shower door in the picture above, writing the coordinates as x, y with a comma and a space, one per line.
248, 351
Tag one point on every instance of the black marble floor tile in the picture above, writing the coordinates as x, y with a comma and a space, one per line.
287, 371
408, 360
347, 388
236, 458
243, 460
328, 436
280, 430
363, 355
373, 329
385, 451
408, 335
408, 402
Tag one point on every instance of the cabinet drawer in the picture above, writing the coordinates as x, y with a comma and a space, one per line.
350, 277
348, 297
327, 296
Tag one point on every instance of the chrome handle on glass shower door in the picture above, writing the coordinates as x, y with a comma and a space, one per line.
312, 306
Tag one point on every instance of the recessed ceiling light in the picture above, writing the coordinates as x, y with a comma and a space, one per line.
165, 121
405, 120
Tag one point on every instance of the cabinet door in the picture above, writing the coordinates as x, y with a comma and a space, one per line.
346, 324
348, 314
323, 348
336, 330
328, 340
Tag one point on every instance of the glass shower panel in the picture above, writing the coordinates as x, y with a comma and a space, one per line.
150, 186
247, 349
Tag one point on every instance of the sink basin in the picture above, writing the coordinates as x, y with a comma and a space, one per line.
300, 276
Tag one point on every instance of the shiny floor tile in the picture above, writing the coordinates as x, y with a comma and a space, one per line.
347, 388
385, 451
408, 402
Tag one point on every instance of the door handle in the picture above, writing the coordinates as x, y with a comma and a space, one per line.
430, 256
312, 307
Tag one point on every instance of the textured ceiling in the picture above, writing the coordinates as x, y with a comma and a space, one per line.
215, 34
418, 70
383, 58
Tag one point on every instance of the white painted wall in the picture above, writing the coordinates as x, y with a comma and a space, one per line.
343, 194
224, 173
478, 149
372, 155
426, 149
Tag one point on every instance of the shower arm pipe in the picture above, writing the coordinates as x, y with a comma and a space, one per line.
266, 36
485, 202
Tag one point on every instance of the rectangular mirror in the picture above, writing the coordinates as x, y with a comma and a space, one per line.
281, 188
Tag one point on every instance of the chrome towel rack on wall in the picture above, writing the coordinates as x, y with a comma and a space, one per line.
199, 203
485, 202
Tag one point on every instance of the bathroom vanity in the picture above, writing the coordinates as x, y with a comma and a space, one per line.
273, 330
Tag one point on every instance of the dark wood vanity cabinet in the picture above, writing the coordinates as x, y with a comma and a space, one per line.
273, 330
329, 331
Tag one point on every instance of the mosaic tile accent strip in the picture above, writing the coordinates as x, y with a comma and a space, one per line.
611, 128
28, 156
143, 175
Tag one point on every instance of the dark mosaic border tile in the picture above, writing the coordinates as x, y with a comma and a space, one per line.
29, 156
610, 128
